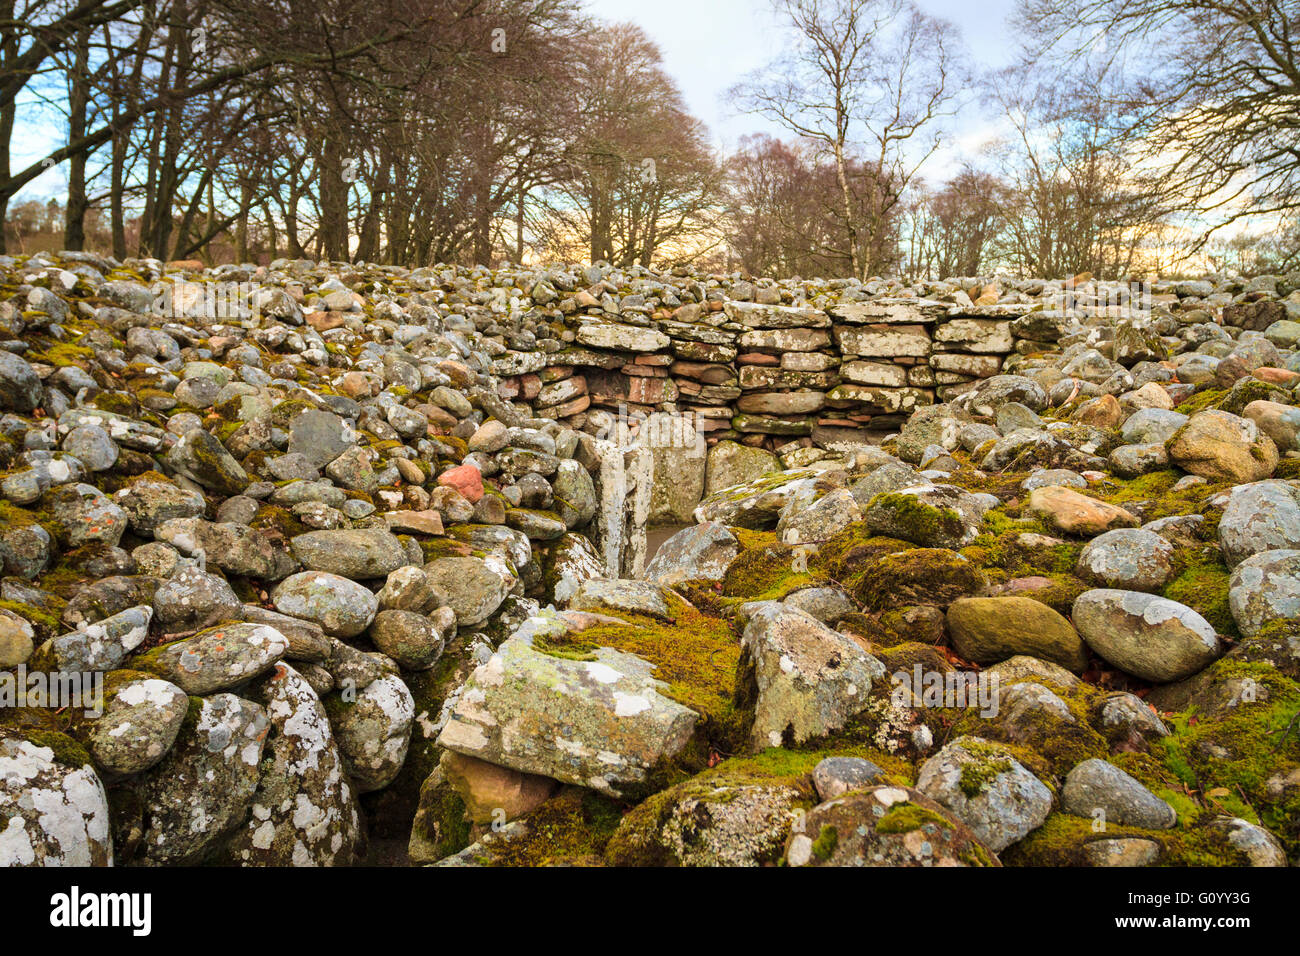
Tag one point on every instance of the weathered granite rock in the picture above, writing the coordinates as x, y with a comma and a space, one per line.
373, 730
988, 630
1100, 790
95, 646
1075, 513
55, 814
885, 826
219, 658
475, 587
987, 789
602, 723
340, 606
139, 725
203, 789
804, 679
1128, 558
303, 812
1218, 445
1265, 588
1262, 516
1146, 635
636, 597
700, 552
360, 553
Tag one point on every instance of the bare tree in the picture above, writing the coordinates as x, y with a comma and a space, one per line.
867, 79
955, 230
1075, 203
785, 209
1207, 93
642, 176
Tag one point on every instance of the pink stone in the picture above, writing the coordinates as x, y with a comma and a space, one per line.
1277, 376
466, 479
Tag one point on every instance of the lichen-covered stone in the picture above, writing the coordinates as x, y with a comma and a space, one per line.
1262, 516
636, 597
192, 599
203, 789
885, 826
1265, 588
342, 607
1219, 445
373, 730
712, 823
475, 587
1100, 790
987, 789
54, 813
602, 723
139, 725
805, 679
350, 553
304, 811
1146, 635
218, 658
96, 646
1128, 558
700, 552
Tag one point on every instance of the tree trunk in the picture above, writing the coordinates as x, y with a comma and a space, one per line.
74, 222
846, 198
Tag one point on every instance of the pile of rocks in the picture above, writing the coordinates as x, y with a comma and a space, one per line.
1053, 620
356, 555
251, 509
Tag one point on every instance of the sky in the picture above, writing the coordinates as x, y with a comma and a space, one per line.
708, 46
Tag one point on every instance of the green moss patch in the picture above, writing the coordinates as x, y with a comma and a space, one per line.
572, 828
906, 817
697, 657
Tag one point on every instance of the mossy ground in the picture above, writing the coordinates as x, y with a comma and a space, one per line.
917, 521
1201, 400
1202, 585
1234, 759
906, 817
1062, 840
572, 828
764, 574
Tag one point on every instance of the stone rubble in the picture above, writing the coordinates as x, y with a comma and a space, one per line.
958, 568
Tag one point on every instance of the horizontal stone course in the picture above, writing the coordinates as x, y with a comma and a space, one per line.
755, 370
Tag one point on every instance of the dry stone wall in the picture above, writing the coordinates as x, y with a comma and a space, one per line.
761, 372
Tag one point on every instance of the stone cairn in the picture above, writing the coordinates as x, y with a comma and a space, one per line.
321, 563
